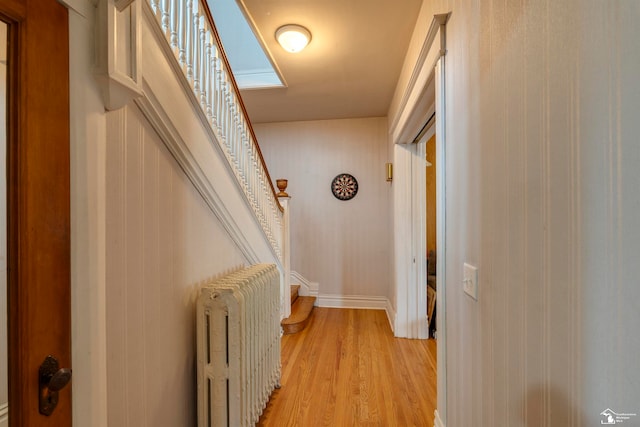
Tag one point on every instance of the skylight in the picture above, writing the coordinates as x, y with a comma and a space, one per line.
249, 61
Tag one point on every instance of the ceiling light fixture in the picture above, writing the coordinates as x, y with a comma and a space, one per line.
293, 38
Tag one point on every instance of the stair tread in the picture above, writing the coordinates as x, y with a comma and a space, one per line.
300, 312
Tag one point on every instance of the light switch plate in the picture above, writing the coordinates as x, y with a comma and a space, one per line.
470, 282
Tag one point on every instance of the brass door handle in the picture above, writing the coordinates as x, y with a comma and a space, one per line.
51, 380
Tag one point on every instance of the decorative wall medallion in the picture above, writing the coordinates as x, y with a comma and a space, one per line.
344, 186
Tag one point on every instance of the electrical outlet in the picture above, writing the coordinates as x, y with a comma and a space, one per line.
470, 282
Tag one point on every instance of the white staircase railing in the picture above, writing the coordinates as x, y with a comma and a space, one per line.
191, 33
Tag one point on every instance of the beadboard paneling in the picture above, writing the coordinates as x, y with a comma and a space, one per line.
542, 196
163, 242
345, 246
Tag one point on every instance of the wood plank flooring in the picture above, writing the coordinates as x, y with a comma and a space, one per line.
347, 369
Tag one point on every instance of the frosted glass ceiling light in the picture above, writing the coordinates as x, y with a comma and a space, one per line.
293, 38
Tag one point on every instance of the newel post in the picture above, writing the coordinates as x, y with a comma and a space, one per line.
286, 247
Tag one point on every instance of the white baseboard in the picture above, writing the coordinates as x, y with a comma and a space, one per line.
391, 315
360, 302
437, 422
352, 301
307, 287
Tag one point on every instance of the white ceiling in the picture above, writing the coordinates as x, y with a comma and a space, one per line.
349, 69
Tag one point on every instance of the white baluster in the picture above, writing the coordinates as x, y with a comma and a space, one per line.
249, 171
222, 102
182, 33
243, 158
215, 107
248, 158
196, 49
189, 38
228, 111
209, 76
155, 7
164, 17
173, 25
226, 101
236, 140
229, 122
232, 137
219, 90
257, 167
226, 107
203, 63
245, 154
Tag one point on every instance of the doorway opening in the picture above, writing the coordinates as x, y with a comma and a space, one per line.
431, 226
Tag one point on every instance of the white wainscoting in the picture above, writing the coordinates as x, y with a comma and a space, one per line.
148, 230
163, 242
542, 196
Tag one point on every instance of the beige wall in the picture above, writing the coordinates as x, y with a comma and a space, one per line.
163, 242
542, 196
345, 246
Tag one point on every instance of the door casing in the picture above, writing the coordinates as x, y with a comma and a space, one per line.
412, 114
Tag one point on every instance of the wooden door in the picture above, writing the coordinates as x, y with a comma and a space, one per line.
38, 235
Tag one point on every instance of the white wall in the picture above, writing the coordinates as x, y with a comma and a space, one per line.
345, 246
87, 145
163, 243
542, 196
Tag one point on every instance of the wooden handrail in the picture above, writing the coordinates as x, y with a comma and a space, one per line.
232, 77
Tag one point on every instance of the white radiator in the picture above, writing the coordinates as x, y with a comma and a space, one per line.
238, 327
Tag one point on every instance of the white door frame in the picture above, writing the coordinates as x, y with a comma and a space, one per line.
410, 201
410, 241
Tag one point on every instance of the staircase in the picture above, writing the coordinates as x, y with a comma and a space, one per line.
301, 309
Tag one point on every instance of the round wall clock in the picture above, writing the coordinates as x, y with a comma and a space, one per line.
344, 186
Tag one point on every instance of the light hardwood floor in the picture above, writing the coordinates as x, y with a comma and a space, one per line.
347, 369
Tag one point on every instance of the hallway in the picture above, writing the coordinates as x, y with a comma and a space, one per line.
347, 369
